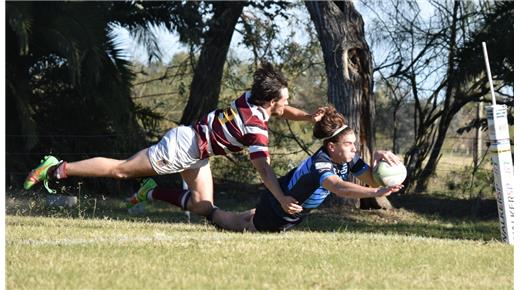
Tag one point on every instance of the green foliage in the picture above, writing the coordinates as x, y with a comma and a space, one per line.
161, 92
72, 82
70, 92
469, 183
236, 168
394, 117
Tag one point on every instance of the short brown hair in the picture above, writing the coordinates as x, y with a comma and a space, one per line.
331, 121
267, 83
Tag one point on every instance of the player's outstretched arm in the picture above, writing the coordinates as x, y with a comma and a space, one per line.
288, 203
294, 114
348, 189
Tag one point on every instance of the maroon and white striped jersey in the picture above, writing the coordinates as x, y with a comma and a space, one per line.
230, 130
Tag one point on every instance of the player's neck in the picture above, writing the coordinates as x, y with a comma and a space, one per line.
267, 108
331, 156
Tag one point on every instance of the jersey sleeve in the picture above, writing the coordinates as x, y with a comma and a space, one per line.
357, 166
324, 169
258, 145
256, 151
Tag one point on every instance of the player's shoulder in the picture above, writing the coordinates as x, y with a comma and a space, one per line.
321, 155
251, 114
322, 160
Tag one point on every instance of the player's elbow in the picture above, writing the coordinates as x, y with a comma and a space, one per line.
263, 171
262, 166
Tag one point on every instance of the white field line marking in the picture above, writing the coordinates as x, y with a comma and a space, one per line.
108, 240
157, 237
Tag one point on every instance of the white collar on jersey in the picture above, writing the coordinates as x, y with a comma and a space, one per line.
262, 110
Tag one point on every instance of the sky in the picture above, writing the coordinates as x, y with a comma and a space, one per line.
170, 45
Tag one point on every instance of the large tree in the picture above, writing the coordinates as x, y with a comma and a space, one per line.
348, 63
439, 60
465, 80
207, 77
219, 28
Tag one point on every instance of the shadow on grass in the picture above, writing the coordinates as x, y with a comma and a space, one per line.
34, 204
486, 231
447, 208
415, 215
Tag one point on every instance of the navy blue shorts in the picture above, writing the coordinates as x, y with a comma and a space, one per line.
266, 219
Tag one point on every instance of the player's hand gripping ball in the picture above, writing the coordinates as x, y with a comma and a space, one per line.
387, 175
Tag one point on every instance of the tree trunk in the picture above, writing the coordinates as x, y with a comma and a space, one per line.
395, 127
207, 77
348, 64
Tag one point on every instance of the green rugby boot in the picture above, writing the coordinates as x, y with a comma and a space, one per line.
39, 173
142, 193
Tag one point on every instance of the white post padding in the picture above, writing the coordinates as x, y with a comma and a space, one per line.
502, 169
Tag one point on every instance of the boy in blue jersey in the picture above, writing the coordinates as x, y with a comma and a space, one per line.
314, 179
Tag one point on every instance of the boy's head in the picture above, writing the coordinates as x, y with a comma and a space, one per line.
338, 138
268, 84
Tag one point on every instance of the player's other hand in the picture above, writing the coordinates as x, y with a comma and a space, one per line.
290, 205
387, 156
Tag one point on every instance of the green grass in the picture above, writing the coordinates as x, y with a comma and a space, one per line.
426, 243
57, 253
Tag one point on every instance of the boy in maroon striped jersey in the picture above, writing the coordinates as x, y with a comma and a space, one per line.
186, 149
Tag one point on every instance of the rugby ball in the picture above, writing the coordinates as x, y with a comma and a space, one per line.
387, 175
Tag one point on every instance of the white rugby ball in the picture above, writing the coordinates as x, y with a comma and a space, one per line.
388, 175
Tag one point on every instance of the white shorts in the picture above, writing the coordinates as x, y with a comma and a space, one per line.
177, 151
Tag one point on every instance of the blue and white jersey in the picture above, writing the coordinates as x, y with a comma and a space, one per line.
305, 182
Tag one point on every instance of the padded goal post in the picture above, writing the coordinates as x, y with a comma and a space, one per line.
500, 147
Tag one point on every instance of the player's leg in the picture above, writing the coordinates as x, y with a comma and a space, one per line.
136, 166
198, 198
200, 184
149, 191
231, 221
162, 158
51, 168
179, 152
251, 226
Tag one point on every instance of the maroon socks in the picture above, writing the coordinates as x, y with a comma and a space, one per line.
58, 171
178, 197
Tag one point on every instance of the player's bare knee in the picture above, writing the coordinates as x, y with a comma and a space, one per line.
119, 173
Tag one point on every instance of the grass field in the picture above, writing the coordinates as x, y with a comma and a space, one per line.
427, 243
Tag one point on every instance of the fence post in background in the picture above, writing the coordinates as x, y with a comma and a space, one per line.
502, 162
477, 145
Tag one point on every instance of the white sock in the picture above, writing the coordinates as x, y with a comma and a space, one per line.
149, 195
